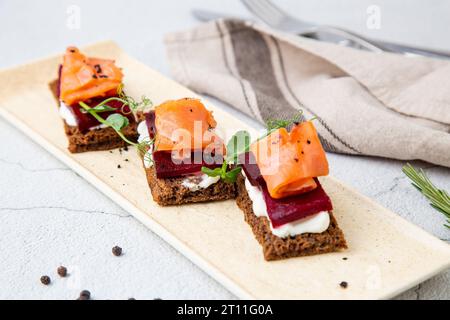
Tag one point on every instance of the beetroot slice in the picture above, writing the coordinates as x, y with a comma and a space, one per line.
150, 121
166, 167
84, 120
248, 162
286, 210
282, 211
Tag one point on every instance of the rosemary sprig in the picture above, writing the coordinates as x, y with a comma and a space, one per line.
439, 198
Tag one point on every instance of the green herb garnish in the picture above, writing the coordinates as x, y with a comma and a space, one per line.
229, 176
144, 146
239, 143
126, 101
101, 108
115, 121
439, 198
118, 121
131, 102
275, 124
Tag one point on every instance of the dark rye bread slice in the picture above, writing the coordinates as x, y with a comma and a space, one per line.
275, 248
97, 139
170, 191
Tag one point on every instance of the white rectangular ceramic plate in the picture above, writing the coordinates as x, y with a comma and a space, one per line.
386, 254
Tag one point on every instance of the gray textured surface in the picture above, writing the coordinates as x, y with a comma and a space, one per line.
50, 216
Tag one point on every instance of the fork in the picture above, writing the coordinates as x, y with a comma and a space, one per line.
275, 17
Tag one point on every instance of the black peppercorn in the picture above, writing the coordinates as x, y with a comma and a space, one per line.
117, 251
344, 284
62, 271
97, 68
85, 295
45, 280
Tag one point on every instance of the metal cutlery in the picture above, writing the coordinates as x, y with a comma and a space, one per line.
273, 16
276, 18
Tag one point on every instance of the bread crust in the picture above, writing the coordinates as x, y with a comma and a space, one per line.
275, 248
97, 139
167, 192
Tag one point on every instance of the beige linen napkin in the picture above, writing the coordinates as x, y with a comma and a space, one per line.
384, 105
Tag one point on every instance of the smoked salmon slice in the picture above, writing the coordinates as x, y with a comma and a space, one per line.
289, 161
83, 78
165, 167
285, 210
185, 125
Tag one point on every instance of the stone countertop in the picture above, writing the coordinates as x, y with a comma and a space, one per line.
43, 204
